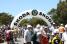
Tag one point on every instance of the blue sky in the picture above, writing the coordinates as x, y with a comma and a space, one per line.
14, 7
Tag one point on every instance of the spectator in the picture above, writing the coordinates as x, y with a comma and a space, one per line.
28, 35
64, 35
56, 39
44, 36
37, 33
61, 30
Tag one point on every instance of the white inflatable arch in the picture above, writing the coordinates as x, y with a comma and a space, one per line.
29, 13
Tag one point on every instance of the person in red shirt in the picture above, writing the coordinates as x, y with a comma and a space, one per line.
44, 36
8, 36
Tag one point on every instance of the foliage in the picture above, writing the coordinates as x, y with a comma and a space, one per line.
62, 12
33, 21
24, 22
59, 15
5, 18
52, 11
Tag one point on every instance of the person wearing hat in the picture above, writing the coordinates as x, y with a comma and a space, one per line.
28, 35
44, 36
61, 30
64, 35
52, 28
36, 34
56, 39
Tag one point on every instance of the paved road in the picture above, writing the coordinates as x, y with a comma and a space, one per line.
20, 41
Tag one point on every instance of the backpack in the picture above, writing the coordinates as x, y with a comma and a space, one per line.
34, 37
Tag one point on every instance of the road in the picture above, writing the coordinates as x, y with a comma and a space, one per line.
20, 41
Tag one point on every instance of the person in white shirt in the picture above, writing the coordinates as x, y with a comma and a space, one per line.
28, 35
52, 28
37, 29
64, 35
37, 33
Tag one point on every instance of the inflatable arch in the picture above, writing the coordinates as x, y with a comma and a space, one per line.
33, 13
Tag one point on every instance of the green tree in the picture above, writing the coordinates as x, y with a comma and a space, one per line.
5, 18
59, 15
52, 11
24, 22
62, 12
33, 21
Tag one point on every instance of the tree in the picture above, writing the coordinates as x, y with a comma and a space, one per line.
60, 13
5, 18
52, 11
24, 22
33, 21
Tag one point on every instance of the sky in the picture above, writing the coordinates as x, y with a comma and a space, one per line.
14, 7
